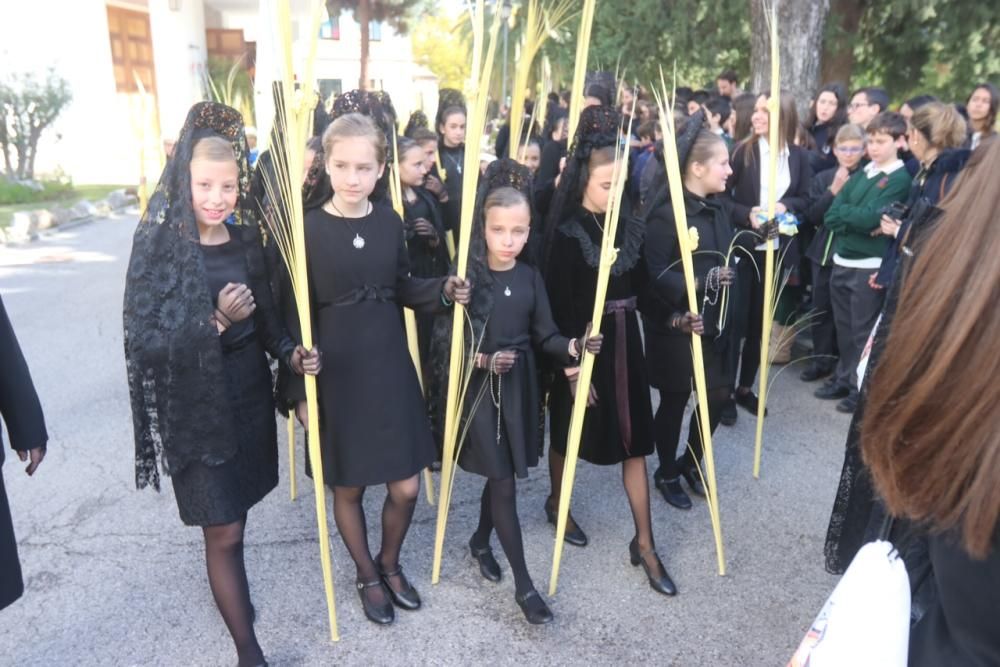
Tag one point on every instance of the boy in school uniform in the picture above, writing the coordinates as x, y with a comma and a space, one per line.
853, 219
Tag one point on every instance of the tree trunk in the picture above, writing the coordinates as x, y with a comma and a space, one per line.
800, 32
364, 16
841, 36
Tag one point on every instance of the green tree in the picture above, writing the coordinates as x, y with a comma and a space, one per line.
397, 14
28, 106
442, 49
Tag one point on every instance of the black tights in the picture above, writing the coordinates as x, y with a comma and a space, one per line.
667, 424
349, 513
227, 577
498, 511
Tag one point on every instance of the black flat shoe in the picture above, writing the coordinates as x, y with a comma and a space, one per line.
748, 401
534, 608
574, 534
832, 391
848, 405
382, 614
691, 476
814, 373
488, 565
672, 492
661, 584
408, 598
727, 415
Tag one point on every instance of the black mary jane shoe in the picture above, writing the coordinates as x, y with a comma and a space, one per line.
748, 401
408, 598
574, 534
534, 608
382, 614
691, 476
672, 492
661, 584
727, 415
488, 565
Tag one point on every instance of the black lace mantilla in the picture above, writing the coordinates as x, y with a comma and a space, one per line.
172, 351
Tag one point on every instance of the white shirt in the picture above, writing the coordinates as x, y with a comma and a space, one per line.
781, 185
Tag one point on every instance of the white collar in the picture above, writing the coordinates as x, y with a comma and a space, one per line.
872, 169
765, 148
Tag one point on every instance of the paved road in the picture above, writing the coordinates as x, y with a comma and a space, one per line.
114, 578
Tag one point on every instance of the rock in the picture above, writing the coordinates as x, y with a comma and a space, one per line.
23, 227
62, 215
102, 209
118, 199
80, 211
46, 219
87, 206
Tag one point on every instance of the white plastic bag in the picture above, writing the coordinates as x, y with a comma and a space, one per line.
866, 620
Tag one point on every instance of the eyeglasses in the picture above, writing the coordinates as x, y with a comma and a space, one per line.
849, 150
857, 105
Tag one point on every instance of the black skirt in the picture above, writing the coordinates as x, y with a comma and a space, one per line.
220, 494
11, 583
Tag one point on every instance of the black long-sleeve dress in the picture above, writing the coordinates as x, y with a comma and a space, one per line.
218, 494
22, 412
521, 320
374, 426
620, 426
426, 260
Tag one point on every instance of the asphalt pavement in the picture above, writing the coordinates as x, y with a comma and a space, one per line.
114, 578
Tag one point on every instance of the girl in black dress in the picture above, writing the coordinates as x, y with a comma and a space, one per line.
510, 318
451, 131
373, 422
618, 428
198, 319
704, 161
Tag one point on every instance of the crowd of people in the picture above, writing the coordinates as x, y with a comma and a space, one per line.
865, 197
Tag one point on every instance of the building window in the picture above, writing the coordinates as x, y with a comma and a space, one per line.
330, 29
328, 89
375, 31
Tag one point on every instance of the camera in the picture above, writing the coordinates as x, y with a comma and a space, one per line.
896, 210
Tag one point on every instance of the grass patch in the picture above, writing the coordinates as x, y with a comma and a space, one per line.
61, 197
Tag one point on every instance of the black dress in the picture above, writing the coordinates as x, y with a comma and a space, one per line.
668, 350
426, 261
453, 162
521, 320
22, 412
209, 495
622, 389
374, 426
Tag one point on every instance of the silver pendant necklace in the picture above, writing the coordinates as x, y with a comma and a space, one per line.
359, 241
506, 291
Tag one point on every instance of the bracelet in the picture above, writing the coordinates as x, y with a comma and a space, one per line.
574, 348
445, 300
222, 319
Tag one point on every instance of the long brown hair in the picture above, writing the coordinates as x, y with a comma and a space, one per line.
931, 432
788, 125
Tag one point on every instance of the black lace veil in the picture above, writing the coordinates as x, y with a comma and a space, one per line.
172, 352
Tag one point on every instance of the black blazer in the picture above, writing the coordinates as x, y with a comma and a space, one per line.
744, 184
19, 405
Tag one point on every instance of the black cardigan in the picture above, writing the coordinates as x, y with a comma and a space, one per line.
19, 404
744, 184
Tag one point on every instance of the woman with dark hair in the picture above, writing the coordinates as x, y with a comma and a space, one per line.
749, 194
982, 108
929, 438
741, 125
826, 114
914, 103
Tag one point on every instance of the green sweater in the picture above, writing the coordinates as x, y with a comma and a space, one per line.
855, 212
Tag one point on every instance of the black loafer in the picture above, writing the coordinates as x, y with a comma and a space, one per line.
672, 492
814, 373
848, 405
382, 614
488, 565
832, 391
534, 608
727, 415
748, 401
691, 476
574, 534
662, 584
408, 598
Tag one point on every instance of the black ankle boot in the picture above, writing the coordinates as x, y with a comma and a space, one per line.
660, 583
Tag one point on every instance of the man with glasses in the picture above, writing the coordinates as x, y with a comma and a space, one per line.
867, 103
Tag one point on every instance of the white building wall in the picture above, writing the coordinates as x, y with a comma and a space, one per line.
180, 57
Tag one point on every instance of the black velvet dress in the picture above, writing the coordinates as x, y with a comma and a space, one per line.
218, 494
620, 426
374, 426
521, 320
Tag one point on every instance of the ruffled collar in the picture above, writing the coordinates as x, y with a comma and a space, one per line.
631, 234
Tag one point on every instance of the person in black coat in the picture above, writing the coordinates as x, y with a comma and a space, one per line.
668, 324
22, 413
848, 148
827, 114
748, 195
